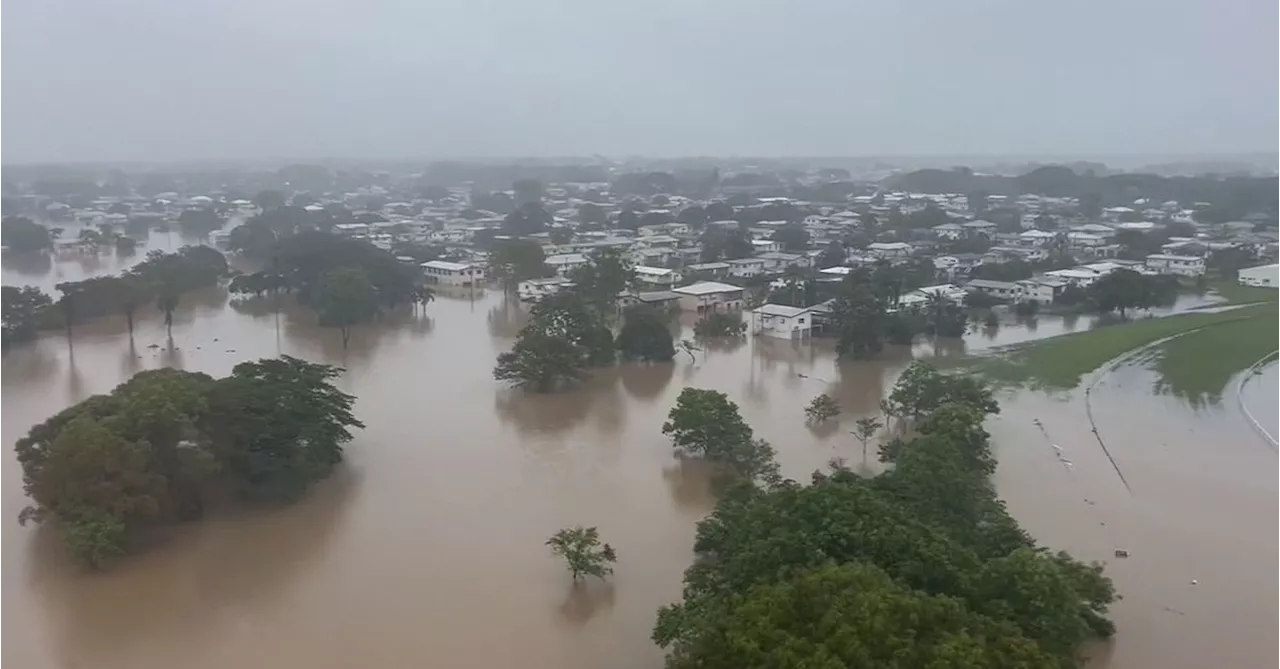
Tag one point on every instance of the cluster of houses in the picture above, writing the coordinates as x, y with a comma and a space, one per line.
667, 255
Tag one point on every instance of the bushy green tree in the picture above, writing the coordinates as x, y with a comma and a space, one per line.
565, 336
707, 424
148, 452
583, 552
22, 235
922, 389
23, 309
823, 407
645, 337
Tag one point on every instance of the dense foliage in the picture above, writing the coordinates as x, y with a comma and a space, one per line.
720, 324
919, 566
706, 424
1125, 289
869, 312
565, 336
152, 450
22, 235
645, 336
606, 273
22, 309
823, 407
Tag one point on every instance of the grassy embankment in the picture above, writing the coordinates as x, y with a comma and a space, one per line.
1208, 350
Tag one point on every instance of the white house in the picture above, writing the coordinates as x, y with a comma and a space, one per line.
1040, 289
781, 321
765, 245
1176, 265
1081, 278
452, 273
657, 276
1263, 276
979, 227
777, 261
1035, 237
948, 231
713, 268
889, 249
746, 267
532, 290
351, 229
709, 296
1005, 290
563, 263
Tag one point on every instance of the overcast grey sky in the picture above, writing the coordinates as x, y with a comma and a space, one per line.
226, 79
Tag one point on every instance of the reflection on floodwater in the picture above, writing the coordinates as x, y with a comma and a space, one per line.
428, 544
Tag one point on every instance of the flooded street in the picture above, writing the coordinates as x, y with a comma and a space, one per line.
426, 548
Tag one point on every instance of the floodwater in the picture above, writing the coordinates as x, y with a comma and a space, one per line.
426, 548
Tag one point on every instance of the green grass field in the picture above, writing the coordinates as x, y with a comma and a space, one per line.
1060, 362
1235, 293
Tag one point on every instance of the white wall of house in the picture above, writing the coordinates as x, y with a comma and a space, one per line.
451, 273
1176, 265
782, 325
1265, 276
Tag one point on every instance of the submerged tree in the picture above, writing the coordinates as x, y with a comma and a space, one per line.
345, 298
822, 408
582, 552
864, 429
23, 309
707, 424
150, 451
564, 337
645, 337
720, 324
922, 389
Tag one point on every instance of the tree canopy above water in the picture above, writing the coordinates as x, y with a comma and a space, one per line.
149, 452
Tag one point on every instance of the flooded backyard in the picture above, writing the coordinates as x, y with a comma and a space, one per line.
426, 548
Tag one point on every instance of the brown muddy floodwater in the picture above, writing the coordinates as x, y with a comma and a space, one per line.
426, 549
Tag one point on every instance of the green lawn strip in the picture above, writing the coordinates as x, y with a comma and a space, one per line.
1060, 362
1198, 365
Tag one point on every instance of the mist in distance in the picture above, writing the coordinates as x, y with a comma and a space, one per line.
160, 81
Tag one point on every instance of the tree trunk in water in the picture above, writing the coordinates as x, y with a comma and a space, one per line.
128, 318
346, 336
168, 323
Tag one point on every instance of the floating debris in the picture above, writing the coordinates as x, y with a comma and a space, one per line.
1122, 553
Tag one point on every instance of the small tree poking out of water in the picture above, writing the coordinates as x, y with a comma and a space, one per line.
582, 551
823, 407
720, 325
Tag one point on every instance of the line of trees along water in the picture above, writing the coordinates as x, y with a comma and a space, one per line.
919, 566
160, 279
167, 443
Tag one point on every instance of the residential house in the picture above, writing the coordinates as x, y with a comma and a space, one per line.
777, 261
653, 257
1262, 276
1035, 238
920, 296
452, 273
707, 297
654, 298
656, 276
766, 245
532, 290
1042, 289
948, 231
717, 269
889, 250
1005, 290
781, 321
1175, 265
746, 267
563, 263
979, 228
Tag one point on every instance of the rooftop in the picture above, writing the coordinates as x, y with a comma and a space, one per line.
707, 288
446, 265
779, 310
